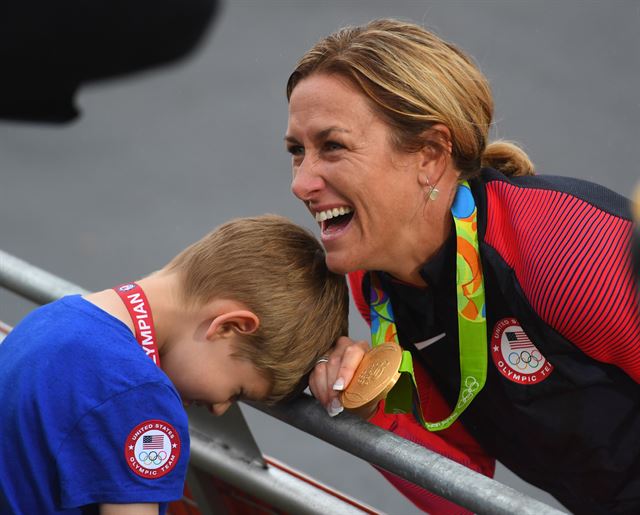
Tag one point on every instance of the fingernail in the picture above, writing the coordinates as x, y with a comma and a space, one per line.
339, 384
335, 408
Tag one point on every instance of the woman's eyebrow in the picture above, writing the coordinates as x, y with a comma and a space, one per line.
325, 132
320, 135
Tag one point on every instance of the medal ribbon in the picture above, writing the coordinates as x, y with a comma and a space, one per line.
472, 323
137, 304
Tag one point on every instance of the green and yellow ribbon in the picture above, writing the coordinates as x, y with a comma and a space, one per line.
472, 323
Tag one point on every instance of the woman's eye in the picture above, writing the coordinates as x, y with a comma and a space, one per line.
333, 145
295, 150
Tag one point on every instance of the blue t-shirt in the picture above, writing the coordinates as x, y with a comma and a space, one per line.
86, 417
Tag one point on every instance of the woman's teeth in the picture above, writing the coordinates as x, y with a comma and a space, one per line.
321, 216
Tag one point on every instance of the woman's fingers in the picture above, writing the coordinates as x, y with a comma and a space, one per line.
351, 358
328, 378
324, 374
341, 367
318, 383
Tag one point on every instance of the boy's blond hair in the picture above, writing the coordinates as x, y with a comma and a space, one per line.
277, 270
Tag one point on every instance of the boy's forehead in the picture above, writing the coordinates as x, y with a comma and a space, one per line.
255, 383
257, 393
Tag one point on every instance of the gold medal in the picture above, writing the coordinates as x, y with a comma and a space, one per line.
374, 377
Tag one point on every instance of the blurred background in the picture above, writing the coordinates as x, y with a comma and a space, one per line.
158, 159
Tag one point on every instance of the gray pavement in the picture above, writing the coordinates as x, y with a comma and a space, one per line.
158, 160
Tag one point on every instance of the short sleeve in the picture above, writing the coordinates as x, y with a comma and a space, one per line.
133, 448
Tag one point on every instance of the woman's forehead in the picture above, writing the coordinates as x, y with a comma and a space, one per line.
324, 104
326, 92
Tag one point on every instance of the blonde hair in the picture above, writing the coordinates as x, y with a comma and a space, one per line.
414, 80
277, 270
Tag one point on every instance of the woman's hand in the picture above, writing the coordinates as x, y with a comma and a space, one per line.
328, 379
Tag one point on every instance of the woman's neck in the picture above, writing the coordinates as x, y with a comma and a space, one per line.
436, 231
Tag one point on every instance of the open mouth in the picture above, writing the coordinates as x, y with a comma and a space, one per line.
334, 220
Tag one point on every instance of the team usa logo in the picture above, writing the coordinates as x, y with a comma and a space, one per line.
152, 449
515, 355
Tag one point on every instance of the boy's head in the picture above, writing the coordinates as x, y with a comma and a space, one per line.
277, 270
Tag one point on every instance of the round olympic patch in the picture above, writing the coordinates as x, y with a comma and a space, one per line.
152, 449
515, 355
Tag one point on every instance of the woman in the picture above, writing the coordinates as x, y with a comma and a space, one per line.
388, 129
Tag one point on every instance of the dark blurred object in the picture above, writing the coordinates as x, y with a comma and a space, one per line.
49, 48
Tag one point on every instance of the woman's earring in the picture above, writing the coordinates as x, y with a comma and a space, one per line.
432, 192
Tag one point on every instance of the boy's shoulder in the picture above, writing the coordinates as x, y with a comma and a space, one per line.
72, 378
70, 319
71, 329
80, 352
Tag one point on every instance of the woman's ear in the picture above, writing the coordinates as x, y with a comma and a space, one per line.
438, 143
239, 321
434, 155
442, 136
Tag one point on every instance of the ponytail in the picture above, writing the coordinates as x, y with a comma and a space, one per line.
508, 158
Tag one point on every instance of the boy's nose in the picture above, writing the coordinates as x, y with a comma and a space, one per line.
219, 408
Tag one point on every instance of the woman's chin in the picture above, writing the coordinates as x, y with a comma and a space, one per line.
338, 263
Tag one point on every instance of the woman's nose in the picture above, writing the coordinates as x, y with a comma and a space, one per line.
307, 180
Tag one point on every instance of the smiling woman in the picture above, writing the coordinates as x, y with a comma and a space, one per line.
343, 159
475, 256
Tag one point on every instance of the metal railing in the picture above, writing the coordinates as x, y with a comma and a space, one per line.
401, 457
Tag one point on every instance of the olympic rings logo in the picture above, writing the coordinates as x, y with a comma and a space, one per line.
147, 458
525, 359
471, 385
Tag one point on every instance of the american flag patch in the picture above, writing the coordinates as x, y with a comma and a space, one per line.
153, 442
518, 340
152, 449
516, 356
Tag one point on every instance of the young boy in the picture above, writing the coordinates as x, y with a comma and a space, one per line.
93, 420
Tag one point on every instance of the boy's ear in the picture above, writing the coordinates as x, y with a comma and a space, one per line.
239, 321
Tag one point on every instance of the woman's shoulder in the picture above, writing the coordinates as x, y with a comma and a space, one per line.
537, 191
567, 241
537, 223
